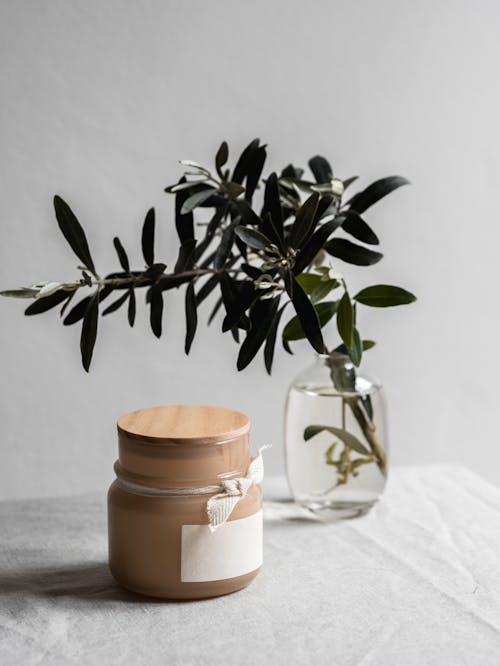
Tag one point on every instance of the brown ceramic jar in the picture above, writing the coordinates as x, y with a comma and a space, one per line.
160, 543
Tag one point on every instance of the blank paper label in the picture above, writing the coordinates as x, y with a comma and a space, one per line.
234, 549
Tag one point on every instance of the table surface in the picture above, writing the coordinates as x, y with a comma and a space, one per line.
415, 582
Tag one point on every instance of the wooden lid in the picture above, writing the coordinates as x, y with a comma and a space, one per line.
186, 424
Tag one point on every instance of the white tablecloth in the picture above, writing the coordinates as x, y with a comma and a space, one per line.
415, 582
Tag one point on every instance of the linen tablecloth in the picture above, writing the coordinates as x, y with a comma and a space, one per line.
415, 582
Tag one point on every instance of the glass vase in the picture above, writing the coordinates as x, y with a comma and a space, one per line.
335, 438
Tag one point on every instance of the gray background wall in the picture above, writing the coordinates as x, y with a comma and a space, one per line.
100, 100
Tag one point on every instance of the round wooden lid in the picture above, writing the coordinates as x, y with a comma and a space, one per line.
184, 423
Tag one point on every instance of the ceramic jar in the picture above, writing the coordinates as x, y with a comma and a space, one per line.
172, 461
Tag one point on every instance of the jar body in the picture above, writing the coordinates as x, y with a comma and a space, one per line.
335, 439
146, 542
160, 540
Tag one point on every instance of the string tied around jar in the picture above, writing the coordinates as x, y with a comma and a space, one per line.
220, 506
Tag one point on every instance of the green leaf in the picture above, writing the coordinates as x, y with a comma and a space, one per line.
384, 296
304, 221
116, 304
21, 292
349, 181
356, 350
122, 255
43, 304
233, 189
308, 281
325, 311
323, 289
191, 317
131, 308
148, 237
349, 439
352, 253
253, 238
221, 157
357, 227
156, 311
207, 288
89, 331
321, 169
73, 232
376, 191
366, 345
345, 320
306, 313
195, 200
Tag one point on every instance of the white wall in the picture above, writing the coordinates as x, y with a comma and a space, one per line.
98, 102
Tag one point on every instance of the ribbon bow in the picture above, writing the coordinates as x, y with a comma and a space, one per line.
219, 507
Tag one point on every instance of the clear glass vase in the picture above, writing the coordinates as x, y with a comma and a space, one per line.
335, 439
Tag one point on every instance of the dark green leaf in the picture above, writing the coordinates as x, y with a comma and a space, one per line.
345, 320
349, 440
184, 224
77, 312
191, 317
148, 237
122, 255
73, 232
241, 168
384, 295
116, 304
224, 248
314, 245
272, 206
238, 296
352, 253
131, 308
253, 238
215, 310
321, 169
325, 311
89, 331
376, 191
156, 312
43, 304
271, 340
305, 312
304, 221
207, 288
221, 157
195, 200
186, 257
255, 167
261, 318
354, 225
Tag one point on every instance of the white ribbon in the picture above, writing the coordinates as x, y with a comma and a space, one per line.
219, 507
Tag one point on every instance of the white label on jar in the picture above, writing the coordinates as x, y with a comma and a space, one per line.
234, 549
